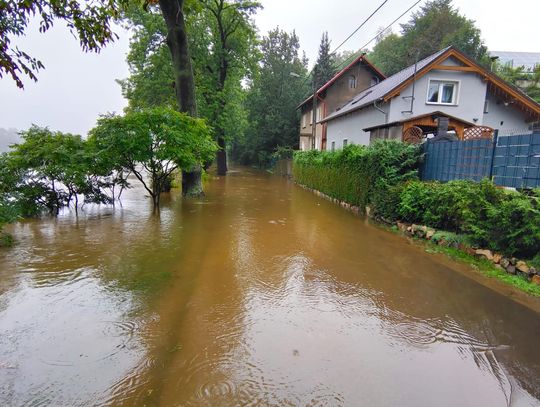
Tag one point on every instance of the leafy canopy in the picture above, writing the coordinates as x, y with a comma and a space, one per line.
90, 21
156, 141
437, 25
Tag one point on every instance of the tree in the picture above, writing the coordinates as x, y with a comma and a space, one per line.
48, 171
389, 54
437, 25
90, 21
272, 99
156, 141
325, 66
232, 44
223, 47
528, 81
151, 82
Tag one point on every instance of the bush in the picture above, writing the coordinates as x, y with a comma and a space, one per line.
504, 221
361, 175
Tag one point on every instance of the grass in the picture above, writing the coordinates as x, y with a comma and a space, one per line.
487, 268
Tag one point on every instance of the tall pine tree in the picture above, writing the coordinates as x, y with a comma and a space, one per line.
325, 66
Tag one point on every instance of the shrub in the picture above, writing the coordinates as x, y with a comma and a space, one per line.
361, 175
504, 221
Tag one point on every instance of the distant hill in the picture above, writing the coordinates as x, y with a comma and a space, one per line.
7, 138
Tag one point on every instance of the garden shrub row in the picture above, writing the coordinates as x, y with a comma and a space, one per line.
504, 221
360, 175
384, 176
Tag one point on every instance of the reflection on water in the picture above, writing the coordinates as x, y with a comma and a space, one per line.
260, 294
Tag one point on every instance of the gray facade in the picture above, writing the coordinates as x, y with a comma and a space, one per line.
350, 127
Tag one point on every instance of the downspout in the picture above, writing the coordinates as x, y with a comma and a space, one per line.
382, 111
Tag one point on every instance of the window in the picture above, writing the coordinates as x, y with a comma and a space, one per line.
352, 82
310, 113
486, 106
374, 81
304, 120
442, 92
318, 113
345, 142
333, 145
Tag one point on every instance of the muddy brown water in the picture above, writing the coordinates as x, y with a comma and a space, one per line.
259, 294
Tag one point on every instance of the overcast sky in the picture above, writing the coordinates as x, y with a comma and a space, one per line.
76, 87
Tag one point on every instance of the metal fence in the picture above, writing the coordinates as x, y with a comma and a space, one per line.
510, 161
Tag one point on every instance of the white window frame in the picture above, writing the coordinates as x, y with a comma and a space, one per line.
442, 82
304, 121
311, 117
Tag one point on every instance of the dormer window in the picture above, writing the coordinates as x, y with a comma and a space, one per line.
352, 82
442, 92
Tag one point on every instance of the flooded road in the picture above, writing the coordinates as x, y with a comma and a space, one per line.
260, 294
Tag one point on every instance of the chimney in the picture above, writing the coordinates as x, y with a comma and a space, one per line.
442, 126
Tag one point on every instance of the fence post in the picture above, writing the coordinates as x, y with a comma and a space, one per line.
495, 139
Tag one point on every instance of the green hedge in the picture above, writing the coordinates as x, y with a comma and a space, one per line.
504, 221
361, 175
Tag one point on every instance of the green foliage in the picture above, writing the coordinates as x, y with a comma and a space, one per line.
436, 26
151, 80
325, 66
47, 171
486, 267
90, 21
361, 175
504, 221
527, 81
222, 40
272, 99
156, 141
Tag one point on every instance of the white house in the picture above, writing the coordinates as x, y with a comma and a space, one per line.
409, 105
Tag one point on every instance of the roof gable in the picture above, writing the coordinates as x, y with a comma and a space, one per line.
360, 58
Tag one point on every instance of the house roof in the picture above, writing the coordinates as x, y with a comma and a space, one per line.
394, 84
360, 58
421, 116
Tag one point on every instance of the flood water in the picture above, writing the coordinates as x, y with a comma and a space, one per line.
260, 294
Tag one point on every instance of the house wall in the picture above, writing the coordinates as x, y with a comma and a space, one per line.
337, 95
340, 93
350, 126
508, 119
470, 99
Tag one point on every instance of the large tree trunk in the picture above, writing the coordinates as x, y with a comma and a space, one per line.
221, 157
177, 42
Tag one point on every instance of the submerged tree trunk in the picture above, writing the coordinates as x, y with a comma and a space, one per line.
221, 157
192, 180
177, 42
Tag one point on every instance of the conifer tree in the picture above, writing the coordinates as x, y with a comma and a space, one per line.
325, 66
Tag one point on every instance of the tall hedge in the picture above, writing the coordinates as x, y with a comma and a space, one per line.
361, 175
